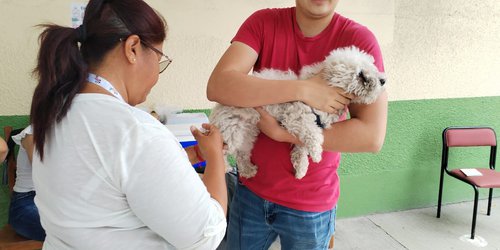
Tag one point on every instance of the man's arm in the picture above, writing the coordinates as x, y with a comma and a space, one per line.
231, 85
364, 132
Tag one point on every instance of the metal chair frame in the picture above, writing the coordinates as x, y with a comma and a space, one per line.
444, 168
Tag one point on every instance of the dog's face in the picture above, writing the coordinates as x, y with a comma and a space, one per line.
355, 72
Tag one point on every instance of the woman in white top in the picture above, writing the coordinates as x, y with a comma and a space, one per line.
23, 213
109, 175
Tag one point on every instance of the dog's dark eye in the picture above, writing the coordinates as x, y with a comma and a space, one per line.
382, 81
362, 76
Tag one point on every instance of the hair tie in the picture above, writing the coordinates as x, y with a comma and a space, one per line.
81, 33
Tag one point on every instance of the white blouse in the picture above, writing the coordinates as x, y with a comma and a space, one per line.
113, 177
24, 180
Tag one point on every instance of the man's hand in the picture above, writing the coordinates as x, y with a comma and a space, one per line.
319, 95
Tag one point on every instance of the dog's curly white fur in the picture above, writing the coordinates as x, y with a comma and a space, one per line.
348, 68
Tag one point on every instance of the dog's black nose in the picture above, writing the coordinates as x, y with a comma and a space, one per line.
382, 82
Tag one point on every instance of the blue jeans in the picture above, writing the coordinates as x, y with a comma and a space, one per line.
24, 217
254, 223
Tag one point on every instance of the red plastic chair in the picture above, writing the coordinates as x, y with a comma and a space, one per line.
471, 137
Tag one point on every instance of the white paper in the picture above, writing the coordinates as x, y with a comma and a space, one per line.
77, 13
471, 172
183, 131
187, 118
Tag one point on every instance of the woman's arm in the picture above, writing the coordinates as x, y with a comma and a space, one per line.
27, 144
210, 144
167, 195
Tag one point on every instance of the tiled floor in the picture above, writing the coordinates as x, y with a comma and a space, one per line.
419, 229
416, 229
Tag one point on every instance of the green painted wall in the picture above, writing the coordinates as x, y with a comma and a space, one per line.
405, 174
14, 121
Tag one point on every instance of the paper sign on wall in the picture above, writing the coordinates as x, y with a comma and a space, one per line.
77, 13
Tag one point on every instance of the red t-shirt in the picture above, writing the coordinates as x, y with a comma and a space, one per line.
275, 35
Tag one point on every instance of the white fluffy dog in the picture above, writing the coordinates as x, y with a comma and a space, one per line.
348, 68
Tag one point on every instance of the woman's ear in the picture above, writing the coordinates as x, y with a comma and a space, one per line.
131, 46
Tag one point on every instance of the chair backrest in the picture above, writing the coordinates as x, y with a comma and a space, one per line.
469, 137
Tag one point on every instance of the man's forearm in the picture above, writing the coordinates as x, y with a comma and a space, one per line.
237, 89
364, 132
353, 136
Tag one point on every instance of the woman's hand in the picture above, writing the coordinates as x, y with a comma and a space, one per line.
270, 127
193, 155
209, 142
210, 145
319, 95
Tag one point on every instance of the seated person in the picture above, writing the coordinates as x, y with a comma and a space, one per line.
3, 149
23, 213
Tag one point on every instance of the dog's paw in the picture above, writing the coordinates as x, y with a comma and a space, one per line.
300, 173
316, 157
247, 171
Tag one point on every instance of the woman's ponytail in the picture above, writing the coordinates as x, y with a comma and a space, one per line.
61, 72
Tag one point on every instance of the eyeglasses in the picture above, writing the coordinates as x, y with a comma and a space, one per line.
163, 64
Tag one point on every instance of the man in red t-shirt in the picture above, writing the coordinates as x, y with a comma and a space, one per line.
301, 212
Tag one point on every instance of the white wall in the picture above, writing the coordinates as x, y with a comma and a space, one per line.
432, 48
444, 49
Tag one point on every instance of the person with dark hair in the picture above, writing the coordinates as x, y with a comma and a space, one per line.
274, 203
108, 175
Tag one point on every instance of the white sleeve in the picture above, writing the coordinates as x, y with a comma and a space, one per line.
165, 192
19, 137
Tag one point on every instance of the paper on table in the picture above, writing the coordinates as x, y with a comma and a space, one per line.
180, 124
471, 172
187, 118
183, 131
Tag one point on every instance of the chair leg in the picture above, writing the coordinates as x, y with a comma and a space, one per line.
489, 201
440, 195
4, 173
474, 215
